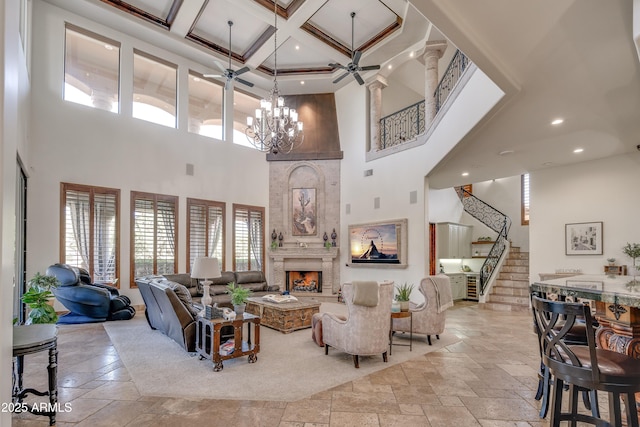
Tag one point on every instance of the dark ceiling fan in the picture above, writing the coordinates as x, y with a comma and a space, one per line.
353, 67
228, 73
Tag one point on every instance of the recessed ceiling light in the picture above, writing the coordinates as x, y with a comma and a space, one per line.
578, 150
108, 47
557, 122
301, 82
506, 152
465, 173
297, 47
390, 66
412, 54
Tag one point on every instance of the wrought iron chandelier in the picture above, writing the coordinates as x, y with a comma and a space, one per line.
275, 128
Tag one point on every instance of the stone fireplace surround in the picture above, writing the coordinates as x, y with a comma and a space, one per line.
305, 253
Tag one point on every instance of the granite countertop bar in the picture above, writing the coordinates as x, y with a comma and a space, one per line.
622, 290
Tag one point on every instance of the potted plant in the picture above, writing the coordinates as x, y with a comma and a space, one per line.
632, 250
404, 295
38, 298
239, 296
611, 261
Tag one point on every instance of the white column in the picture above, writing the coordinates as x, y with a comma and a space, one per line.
375, 111
433, 51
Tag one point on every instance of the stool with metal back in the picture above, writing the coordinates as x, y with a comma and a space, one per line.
29, 339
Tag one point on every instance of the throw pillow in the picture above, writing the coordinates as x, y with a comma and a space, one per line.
185, 297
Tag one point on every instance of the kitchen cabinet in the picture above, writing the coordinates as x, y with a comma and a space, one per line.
458, 286
453, 240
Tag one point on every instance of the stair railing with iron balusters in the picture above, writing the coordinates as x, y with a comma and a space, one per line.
495, 220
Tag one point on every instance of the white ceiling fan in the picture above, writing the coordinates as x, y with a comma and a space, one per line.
353, 67
229, 73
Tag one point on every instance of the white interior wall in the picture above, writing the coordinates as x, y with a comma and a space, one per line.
396, 176
601, 190
78, 144
504, 194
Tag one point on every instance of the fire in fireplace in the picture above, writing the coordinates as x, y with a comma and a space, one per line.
304, 281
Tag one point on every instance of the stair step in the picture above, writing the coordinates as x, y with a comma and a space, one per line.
503, 307
513, 276
517, 262
518, 255
515, 269
510, 290
509, 299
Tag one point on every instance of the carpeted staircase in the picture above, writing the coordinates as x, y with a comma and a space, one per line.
510, 292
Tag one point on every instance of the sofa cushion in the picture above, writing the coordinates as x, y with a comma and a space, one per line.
224, 279
250, 277
184, 296
255, 287
193, 285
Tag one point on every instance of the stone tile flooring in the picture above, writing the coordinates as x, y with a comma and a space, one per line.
487, 379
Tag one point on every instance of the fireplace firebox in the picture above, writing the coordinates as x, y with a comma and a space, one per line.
304, 281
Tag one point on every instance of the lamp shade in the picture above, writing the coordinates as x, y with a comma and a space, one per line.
205, 268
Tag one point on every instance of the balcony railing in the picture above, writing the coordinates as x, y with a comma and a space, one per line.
408, 123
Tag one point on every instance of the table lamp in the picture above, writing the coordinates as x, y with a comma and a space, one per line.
206, 268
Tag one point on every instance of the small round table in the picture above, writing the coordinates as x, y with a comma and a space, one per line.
28, 339
401, 315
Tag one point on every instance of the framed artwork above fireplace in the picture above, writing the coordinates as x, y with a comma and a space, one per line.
304, 211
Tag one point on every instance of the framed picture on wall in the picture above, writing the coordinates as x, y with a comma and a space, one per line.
380, 244
584, 238
304, 212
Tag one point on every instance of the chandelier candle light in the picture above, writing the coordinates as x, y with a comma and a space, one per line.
275, 128
206, 268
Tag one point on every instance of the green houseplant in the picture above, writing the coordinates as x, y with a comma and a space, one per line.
37, 298
403, 295
632, 250
239, 296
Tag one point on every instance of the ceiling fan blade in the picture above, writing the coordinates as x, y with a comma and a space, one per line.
244, 82
335, 65
242, 71
219, 66
217, 76
358, 78
341, 77
356, 56
369, 67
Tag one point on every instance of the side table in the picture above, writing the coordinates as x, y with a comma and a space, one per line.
401, 315
208, 332
28, 339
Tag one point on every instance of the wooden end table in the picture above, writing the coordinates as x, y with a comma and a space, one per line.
401, 315
209, 331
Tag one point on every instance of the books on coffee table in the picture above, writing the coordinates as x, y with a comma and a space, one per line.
279, 298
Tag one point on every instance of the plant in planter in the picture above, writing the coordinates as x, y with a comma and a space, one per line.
404, 295
632, 250
611, 261
37, 298
239, 296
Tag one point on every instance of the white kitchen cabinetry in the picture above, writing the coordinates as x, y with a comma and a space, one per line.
453, 240
458, 285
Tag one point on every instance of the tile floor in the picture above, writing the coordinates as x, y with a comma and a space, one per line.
487, 379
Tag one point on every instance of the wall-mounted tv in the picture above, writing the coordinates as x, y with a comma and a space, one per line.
381, 244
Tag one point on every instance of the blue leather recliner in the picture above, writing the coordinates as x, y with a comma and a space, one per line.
88, 302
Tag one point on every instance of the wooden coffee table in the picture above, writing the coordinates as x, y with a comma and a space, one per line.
285, 317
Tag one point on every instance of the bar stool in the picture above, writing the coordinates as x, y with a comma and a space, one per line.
29, 339
584, 367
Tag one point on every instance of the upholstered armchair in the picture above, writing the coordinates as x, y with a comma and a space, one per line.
428, 316
365, 332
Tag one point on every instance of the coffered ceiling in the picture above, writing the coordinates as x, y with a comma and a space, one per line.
312, 34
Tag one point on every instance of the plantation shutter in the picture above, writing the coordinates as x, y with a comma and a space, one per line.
205, 230
154, 235
90, 229
248, 238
